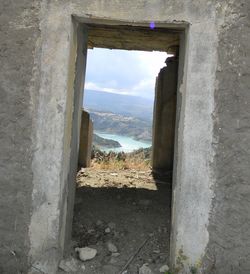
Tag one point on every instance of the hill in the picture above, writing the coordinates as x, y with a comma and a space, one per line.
127, 105
102, 142
121, 125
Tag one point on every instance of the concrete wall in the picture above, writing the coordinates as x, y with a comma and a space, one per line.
228, 250
57, 131
19, 57
86, 136
210, 216
164, 117
77, 71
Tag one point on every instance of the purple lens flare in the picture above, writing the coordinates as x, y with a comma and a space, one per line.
152, 25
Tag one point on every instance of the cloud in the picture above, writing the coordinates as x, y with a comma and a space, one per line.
123, 72
152, 62
96, 87
144, 88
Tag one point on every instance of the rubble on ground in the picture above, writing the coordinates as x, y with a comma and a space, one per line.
86, 253
119, 215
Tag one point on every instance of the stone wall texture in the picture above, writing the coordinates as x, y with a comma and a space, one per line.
228, 250
19, 33
40, 33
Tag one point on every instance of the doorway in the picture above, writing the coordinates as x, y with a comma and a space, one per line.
109, 36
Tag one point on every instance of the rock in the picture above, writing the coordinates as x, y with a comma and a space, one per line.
114, 174
145, 270
86, 253
164, 269
71, 265
157, 251
112, 248
107, 230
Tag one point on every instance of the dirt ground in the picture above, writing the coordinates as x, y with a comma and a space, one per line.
129, 209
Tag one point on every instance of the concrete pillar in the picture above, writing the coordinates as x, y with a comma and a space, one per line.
164, 117
86, 136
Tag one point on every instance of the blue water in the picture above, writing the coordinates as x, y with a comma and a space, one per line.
128, 144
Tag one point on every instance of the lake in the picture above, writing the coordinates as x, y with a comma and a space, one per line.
128, 144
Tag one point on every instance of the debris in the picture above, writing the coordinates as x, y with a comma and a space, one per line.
133, 256
107, 230
114, 174
112, 248
71, 265
145, 270
111, 219
86, 253
156, 251
164, 268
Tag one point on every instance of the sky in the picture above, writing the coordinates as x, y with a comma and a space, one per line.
123, 71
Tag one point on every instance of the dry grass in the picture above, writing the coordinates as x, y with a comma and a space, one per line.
138, 159
129, 163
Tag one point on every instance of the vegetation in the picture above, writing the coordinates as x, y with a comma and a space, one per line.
139, 159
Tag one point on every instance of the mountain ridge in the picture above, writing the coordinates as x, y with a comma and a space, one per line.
127, 105
113, 123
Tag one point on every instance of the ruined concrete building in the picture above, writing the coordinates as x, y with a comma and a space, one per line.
43, 54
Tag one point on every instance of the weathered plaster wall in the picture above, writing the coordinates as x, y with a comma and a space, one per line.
19, 38
75, 123
55, 118
36, 145
194, 176
164, 117
228, 250
86, 136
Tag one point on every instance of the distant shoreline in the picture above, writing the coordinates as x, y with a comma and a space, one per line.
128, 143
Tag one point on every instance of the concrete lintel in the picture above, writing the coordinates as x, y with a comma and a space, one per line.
132, 35
177, 25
